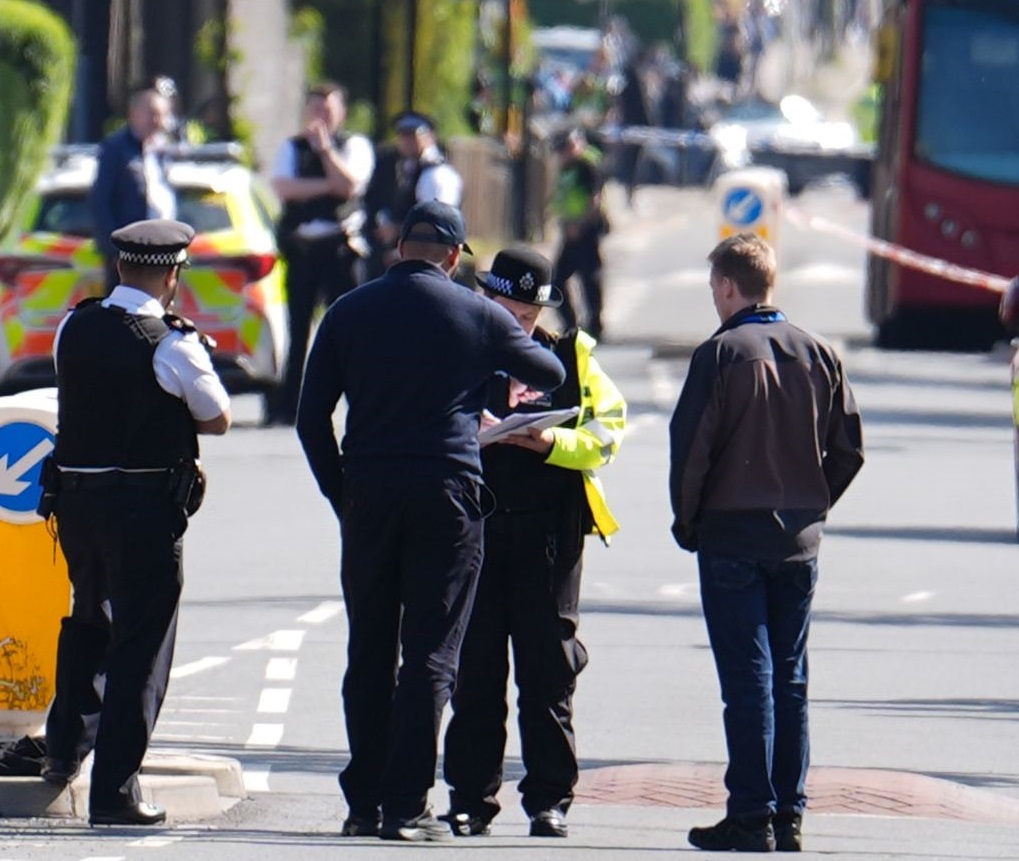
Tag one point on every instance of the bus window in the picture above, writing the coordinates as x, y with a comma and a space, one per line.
968, 102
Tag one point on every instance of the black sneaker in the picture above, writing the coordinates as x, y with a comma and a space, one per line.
549, 823
739, 833
360, 826
788, 832
466, 824
424, 828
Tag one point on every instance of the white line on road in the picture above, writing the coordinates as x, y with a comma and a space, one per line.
916, 597
197, 667
274, 701
676, 590
155, 842
322, 613
265, 735
176, 736
281, 669
277, 641
256, 780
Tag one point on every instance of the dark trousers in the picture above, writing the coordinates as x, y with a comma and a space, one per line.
123, 549
581, 257
411, 555
758, 619
528, 594
322, 270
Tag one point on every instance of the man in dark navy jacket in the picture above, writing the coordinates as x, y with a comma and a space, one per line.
131, 182
413, 353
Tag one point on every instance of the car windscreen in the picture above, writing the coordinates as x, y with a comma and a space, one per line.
68, 212
968, 101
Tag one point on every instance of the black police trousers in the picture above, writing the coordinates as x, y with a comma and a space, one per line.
581, 257
528, 594
121, 538
410, 559
322, 270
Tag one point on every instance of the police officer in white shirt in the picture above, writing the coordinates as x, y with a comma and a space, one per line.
320, 175
135, 387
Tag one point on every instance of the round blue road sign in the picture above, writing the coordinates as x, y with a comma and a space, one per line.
742, 207
23, 445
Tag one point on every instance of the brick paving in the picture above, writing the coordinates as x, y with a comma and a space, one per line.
858, 791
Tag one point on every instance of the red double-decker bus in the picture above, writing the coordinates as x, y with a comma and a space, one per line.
946, 174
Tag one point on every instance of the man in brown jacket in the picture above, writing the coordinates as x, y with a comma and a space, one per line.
765, 438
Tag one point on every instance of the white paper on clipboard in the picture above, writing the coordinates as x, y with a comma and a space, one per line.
520, 422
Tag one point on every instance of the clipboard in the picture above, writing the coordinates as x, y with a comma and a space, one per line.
519, 422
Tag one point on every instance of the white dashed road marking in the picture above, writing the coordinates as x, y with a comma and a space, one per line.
265, 735
281, 669
274, 701
322, 613
198, 666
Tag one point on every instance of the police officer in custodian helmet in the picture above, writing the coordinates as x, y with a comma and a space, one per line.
135, 386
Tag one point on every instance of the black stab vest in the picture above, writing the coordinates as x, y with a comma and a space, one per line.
111, 411
520, 479
327, 207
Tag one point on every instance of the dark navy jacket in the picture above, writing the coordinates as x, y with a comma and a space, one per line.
118, 194
413, 352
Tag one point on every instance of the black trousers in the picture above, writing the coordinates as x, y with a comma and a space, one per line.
581, 257
528, 594
322, 270
122, 543
411, 555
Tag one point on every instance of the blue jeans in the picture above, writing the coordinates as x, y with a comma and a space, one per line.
758, 617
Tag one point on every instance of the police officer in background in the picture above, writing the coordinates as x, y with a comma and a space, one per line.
135, 386
320, 175
577, 203
547, 500
415, 172
412, 352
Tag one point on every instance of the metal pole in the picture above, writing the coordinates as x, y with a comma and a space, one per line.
412, 25
507, 51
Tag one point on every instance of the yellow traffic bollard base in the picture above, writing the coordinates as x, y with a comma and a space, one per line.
36, 596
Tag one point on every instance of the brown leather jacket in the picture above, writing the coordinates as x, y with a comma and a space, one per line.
765, 438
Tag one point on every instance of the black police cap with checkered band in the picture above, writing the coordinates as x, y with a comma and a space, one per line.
155, 242
523, 275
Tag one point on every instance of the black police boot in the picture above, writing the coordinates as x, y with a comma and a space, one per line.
788, 831
739, 833
356, 825
549, 823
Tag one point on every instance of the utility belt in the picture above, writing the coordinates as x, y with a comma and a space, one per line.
184, 483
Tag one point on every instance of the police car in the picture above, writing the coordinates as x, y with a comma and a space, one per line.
233, 290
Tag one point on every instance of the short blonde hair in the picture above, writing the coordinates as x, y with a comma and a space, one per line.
748, 261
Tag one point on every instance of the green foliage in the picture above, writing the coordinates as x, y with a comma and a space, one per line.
443, 61
701, 35
37, 60
652, 21
307, 26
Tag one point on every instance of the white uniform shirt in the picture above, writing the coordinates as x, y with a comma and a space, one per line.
182, 365
442, 182
160, 196
357, 155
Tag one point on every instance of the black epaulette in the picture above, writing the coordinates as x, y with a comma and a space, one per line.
186, 326
84, 303
181, 324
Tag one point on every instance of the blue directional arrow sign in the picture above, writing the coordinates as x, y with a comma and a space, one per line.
23, 445
742, 207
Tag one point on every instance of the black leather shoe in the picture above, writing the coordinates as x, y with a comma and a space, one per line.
139, 813
424, 828
59, 772
739, 833
549, 823
467, 824
361, 826
788, 832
